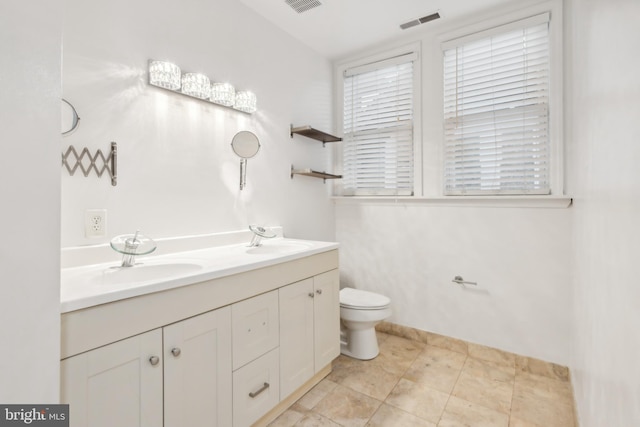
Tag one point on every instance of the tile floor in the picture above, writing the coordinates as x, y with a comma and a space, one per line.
416, 384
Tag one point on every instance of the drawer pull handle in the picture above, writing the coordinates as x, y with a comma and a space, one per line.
255, 393
311, 294
319, 292
176, 351
154, 360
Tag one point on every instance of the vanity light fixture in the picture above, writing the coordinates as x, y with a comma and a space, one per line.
168, 76
245, 101
164, 74
223, 94
196, 84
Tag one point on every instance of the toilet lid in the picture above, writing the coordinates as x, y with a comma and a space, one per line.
357, 298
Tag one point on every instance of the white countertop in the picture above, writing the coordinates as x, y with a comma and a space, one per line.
90, 285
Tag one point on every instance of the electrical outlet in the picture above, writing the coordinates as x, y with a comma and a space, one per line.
95, 223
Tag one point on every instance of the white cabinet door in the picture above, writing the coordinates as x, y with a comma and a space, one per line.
116, 385
197, 371
296, 335
326, 313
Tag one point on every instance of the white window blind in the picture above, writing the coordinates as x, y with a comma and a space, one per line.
496, 111
378, 128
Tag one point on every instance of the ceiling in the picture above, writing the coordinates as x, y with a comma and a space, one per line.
337, 28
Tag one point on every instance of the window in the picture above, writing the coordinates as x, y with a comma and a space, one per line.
378, 122
496, 111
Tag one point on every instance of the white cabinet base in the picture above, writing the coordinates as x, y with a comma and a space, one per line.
107, 349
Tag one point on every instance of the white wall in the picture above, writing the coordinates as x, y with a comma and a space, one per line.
411, 251
177, 172
518, 256
606, 185
30, 47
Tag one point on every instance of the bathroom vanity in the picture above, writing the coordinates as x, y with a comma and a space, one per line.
233, 341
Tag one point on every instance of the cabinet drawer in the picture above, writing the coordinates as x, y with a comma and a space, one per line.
255, 327
256, 389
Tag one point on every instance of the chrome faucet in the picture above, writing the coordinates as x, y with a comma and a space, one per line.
131, 245
260, 233
130, 249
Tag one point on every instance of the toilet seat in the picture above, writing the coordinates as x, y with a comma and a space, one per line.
362, 300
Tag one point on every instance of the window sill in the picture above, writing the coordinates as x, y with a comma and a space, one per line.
551, 202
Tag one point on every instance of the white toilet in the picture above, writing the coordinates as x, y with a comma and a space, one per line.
360, 311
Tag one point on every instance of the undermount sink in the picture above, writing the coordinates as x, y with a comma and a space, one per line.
98, 278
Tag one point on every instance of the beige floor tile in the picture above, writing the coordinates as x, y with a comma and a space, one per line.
489, 370
483, 391
317, 393
542, 401
388, 416
419, 400
381, 335
367, 377
515, 422
492, 354
290, 417
543, 387
449, 384
397, 354
542, 368
347, 407
312, 419
448, 343
437, 368
342, 368
461, 413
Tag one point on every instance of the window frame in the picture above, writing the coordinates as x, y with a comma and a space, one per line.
411, 49
429, 182
556, 113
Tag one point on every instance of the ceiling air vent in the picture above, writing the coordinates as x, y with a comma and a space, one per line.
302, 5
419, 21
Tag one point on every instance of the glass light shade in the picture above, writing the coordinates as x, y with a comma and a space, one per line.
164, 74
245, 101
223, 94
196, 84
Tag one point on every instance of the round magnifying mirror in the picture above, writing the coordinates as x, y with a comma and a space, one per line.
69, 116
246, 145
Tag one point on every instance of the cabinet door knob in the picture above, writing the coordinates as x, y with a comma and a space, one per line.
319, 292
311, 294
176, 351
154, 360
255, 393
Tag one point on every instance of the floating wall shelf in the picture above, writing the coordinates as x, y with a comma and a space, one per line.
312, 133
315, 174
318, 135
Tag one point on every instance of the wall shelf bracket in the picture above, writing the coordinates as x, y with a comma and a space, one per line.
97, 162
